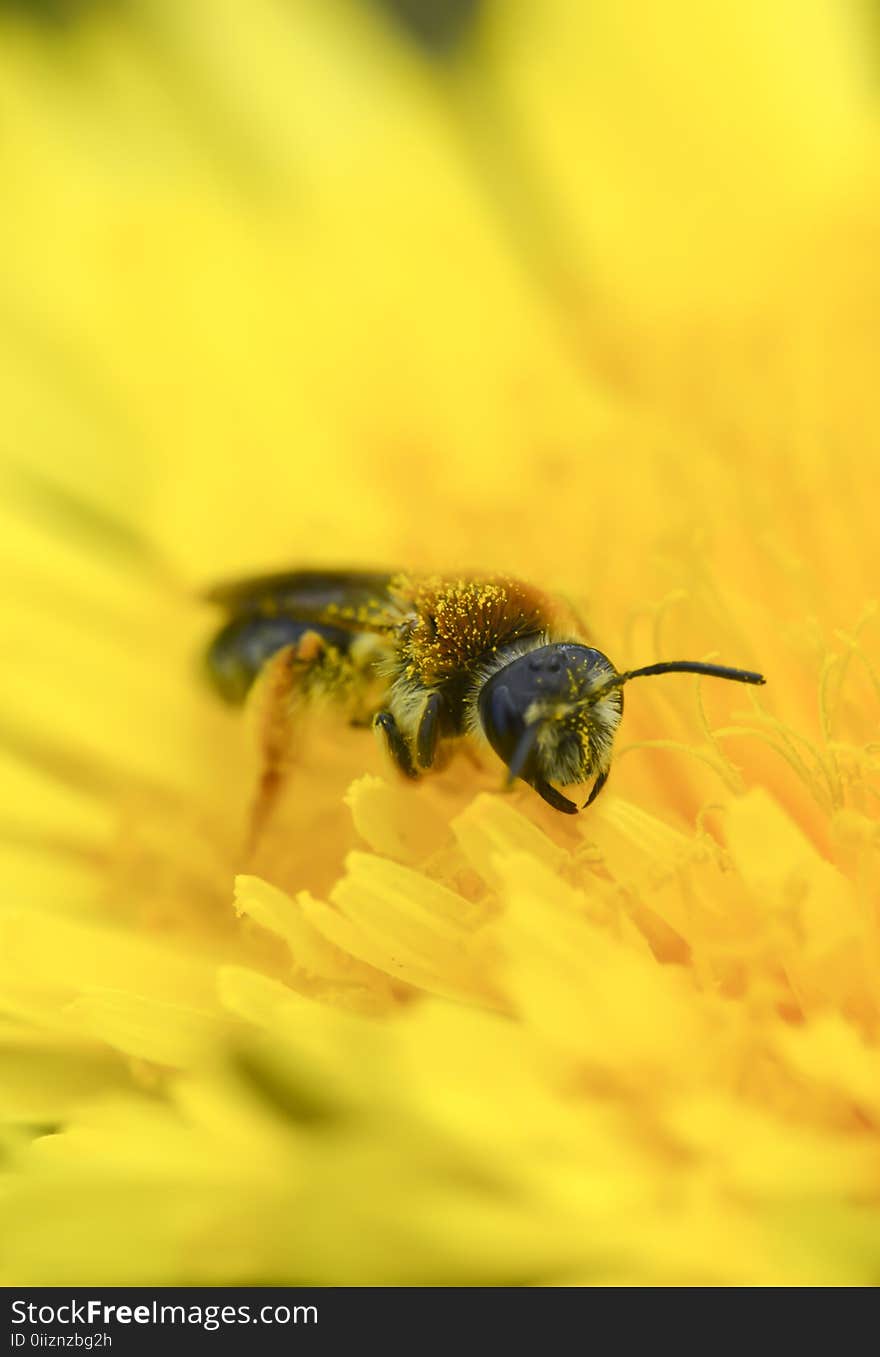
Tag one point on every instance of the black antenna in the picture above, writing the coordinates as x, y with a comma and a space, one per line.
695, 667
681, 667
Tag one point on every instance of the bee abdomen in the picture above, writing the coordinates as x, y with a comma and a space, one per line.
239, 651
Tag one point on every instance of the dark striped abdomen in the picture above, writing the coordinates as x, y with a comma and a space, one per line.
239, 651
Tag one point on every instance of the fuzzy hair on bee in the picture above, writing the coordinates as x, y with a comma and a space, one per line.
433, 659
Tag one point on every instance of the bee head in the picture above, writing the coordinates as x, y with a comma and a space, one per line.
552, 714
551, 717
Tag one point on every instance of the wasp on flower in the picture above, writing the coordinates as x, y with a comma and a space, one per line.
431, 659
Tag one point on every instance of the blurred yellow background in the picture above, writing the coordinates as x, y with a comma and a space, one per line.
588, 292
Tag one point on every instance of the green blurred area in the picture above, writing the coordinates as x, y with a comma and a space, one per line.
52, 13
437, 26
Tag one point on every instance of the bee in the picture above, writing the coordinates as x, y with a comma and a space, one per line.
430, 659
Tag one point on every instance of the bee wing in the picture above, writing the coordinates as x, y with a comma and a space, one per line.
350, 599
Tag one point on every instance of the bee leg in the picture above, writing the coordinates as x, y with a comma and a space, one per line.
394, 742
596, 788
429, 731
553, 797
275, 699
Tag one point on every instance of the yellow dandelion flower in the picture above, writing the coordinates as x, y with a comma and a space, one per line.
519, 289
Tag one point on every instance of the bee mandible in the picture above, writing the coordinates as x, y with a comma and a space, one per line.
429, 659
